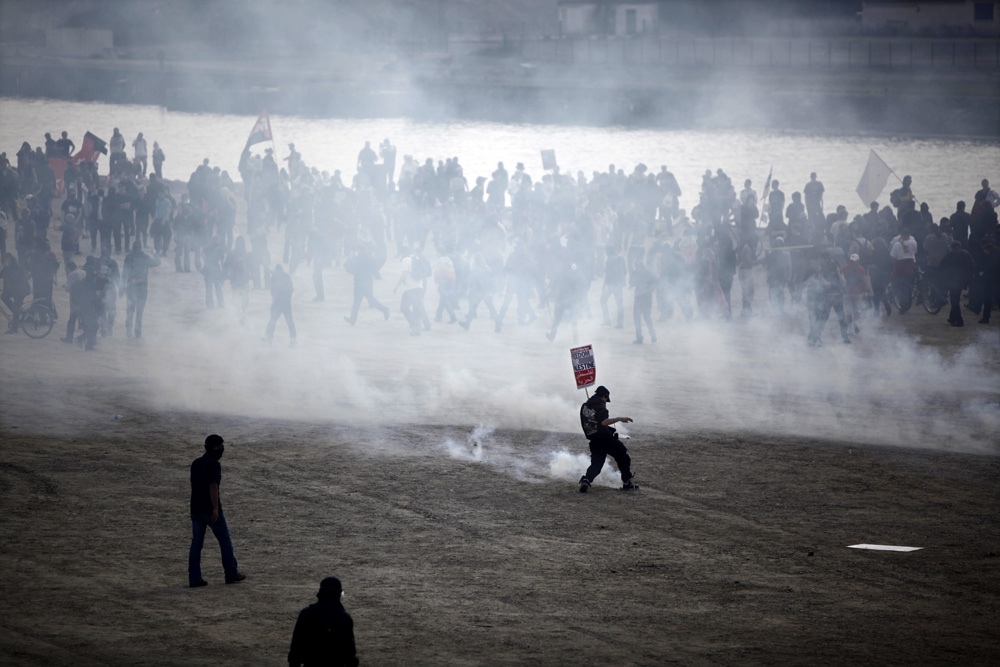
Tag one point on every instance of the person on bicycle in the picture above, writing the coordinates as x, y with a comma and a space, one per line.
15, 289
43, 267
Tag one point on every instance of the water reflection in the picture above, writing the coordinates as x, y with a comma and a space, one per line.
943, 170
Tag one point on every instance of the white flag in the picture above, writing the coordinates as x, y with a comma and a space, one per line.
874, 179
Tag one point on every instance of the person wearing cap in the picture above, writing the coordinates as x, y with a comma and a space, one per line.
324, 632
604, 440
206, 512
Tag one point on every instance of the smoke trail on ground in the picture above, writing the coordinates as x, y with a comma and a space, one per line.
483, 446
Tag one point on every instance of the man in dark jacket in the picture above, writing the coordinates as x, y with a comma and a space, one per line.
604, 440
206, 512
324, 633
991, 278
281, 303
362, 265
956, 273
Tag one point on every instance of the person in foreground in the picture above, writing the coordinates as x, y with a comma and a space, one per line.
206, 512
324, 633
604, 440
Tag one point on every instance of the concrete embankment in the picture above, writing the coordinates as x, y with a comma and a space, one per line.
899, 101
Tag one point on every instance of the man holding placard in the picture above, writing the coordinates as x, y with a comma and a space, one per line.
604, 440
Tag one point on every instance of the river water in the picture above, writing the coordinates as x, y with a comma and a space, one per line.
943, 170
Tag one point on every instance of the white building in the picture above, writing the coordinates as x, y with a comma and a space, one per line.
608, 17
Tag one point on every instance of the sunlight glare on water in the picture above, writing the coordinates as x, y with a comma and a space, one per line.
943, 170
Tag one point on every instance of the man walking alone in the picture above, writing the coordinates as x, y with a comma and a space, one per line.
206, 512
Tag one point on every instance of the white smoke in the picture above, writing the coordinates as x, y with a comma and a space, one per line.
483, 446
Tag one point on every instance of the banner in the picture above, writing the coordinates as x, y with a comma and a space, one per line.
549, 159
874, 179
261, 131
584, 368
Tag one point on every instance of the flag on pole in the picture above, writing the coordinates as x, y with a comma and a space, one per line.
261, 130
92, 147
765, 209
874, 178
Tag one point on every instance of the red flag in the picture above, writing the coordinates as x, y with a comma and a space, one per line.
92, 147
261, 130
58, 167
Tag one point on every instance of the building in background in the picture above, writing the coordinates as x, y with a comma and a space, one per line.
608, 17
932, 17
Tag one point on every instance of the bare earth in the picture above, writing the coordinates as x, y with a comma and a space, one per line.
463, 547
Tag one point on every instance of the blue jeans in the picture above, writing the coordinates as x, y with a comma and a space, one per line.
199, 523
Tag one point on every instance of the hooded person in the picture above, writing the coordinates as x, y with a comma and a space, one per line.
604, 440
324, 632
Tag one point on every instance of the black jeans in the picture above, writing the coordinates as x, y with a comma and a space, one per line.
603, 446
955, 314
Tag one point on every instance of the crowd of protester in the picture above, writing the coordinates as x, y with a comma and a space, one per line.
464, 247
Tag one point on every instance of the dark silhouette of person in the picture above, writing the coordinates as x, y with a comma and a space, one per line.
214, 273
43, 267
991, 278
366, 158
813, 191
956, 270
91, 303
324, 631
158, 159
776, 207
825, 290
961, 221
281, 303
363, 267
644, 283
604, 440
15, 288
206, 512
135, 275
64, 145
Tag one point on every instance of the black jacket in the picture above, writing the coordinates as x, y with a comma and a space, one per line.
323, 635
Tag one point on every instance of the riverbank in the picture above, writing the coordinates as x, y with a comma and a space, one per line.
914, 101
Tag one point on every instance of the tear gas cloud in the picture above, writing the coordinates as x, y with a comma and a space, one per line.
755, 376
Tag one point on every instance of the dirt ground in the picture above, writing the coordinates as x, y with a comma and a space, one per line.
466, 546
733, 552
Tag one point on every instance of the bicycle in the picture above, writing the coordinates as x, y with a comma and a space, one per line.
923, 292
933, 296
37, 319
